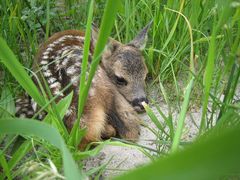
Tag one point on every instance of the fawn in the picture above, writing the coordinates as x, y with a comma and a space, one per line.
117, 90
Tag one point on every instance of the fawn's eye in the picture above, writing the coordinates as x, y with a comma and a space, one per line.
120, 81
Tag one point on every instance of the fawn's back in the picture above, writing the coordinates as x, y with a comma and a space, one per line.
60, 61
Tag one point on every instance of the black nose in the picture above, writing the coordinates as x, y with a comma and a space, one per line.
138, 102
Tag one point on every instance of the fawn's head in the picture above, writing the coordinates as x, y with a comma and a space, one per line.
125, 66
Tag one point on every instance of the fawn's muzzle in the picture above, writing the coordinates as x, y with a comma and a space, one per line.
137, 104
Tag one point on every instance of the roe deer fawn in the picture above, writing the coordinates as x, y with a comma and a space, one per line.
117, 90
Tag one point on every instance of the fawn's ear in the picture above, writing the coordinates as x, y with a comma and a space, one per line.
141, 39
112, 44
110, 48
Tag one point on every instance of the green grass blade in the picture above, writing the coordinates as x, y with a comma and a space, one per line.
225, 12
7, 104
76, 132
44, 131
105, 30
168, 121
170, 36
17, 70
85, 58
177, 137
7, 100
61, 108
154, 118
5, 167
207, 80
18, 155
47, 19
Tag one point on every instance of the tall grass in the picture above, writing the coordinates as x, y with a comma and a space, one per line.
193, 59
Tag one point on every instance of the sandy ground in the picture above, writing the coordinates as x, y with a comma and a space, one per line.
124, 158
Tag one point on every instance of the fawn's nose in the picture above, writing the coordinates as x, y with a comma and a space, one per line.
137, 104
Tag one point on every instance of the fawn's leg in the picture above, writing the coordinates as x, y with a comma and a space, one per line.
126, 120
109, 131
94, 120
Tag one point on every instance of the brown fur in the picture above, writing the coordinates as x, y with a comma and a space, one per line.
117, 89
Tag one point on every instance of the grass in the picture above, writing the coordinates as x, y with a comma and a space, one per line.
192, 56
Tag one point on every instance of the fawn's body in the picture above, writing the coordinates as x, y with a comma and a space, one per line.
117, 89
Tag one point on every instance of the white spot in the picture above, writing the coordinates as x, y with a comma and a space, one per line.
25, 109
44, 62
99, 75
98, 70
76, 47
17, 108
78, 63
45, 57
59, 73
51, 80
47, 73
58, 66
55, 85
71, 55
34, 105
71, 70
68, 36
22, 115
65, 61
40, 116
57, 61
49, 49
25, 101
66, 48
25, 105
93, 81
91, 92
58, 41
18, 100
57, 93
59, 52
69, 112
63, 38
75, 80
81, 38
46, 53
45, 68
51, 45
29, 113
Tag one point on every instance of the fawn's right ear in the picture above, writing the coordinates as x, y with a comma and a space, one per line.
141, 39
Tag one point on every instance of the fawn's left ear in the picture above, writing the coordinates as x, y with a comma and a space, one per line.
141, 39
